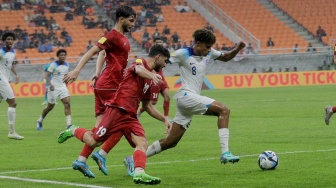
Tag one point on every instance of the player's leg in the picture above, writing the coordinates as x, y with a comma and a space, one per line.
67, 110
51, 104
7, 94
139, 156
11, 119
329, 111
223, 114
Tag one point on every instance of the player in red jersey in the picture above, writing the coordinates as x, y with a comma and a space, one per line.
114, 46
120, 114
162, 88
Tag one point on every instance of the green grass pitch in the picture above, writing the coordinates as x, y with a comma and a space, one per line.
287, 120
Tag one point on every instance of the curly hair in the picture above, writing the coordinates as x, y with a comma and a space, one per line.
204, 36
8, 34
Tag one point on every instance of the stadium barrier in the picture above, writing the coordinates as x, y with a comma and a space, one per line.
224, 81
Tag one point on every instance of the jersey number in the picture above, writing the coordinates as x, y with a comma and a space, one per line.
101, 131
193, 70
155, 95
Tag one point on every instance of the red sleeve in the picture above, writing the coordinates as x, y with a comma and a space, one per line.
106, 42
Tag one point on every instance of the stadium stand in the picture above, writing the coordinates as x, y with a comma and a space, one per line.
261, 23
312, 14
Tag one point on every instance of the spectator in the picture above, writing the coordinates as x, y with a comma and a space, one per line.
64, 33
184, 45
296, 48
89, 46
320, 33
42, 48
159, 17
91, 24
295, 69
209, 27
145, 38
179, 7
156, 33
216, 47
48, 47
286, 69
68, 40
175, 37
186, 7
27, 17
20, 46
270, 43
54, 25
148, 45
249, 49
89, 11
69, 16
18, 30
224, 48
254, 70
310, 48
325, 66
280, 69
31, 23
178, 45
270, 69
26, 60
166, 30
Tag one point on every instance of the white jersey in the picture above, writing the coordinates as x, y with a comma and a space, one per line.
6, 61
58, 71
192, 67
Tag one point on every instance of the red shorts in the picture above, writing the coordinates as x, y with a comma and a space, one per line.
118, 120
156, 89
101, 96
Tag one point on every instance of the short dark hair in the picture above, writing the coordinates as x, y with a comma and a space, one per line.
204, 36
125, 11
158, 49
60, 51
157, 38
8, 34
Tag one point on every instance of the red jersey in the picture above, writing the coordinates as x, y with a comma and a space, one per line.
117, 48
132, 89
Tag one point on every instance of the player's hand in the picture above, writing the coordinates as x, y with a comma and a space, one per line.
17, 79
157, 79
51, 87
168, 125
94, 79
241, 45
70, 77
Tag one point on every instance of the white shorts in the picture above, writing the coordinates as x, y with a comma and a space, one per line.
189, 104
62, 92
6, 90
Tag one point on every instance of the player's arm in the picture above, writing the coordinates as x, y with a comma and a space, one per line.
143, 72
99, 66
72, 75
48, 81
152, 111
15, 73
231, 54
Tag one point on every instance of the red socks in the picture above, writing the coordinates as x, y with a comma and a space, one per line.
139, 158
334, 108
87, 150
166, 108
111, 142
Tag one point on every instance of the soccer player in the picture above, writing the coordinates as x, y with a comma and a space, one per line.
162, 88
7, 57
329, 111
192, 62
112, 48
120, 114
57, 88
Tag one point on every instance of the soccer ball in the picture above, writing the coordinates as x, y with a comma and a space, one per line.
268, 160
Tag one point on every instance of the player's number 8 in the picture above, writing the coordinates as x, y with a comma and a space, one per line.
101, 131
193, 70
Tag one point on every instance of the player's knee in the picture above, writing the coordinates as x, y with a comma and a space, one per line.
167, 144
225, 110
50, 106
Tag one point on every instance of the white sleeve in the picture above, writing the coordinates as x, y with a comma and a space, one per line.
177, 56
52, 67
214, 54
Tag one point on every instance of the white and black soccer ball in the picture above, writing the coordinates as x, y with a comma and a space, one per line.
268, 160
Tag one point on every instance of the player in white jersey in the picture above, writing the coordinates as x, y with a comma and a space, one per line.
7, 56
192, 62
57, 88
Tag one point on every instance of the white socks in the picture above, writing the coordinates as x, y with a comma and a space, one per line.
224, 139
153, 149
102, 153
40, 119
68, 120
11, 119
81, 159
138, 170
